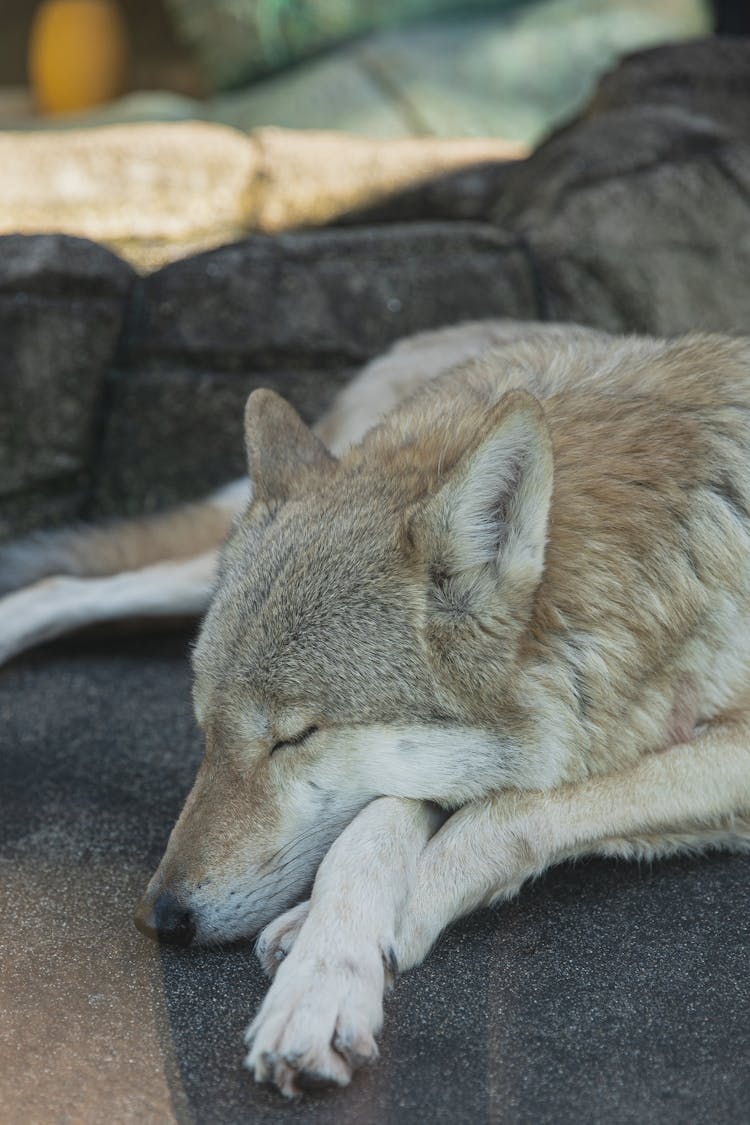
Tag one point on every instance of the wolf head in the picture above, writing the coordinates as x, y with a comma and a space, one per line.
363, 640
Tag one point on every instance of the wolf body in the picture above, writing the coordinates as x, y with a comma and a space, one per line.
506, 625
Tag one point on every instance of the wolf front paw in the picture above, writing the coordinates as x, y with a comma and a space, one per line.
318, 1022
277, 939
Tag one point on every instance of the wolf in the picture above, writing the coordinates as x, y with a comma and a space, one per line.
491, 615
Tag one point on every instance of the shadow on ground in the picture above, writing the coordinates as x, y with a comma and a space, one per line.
606, 993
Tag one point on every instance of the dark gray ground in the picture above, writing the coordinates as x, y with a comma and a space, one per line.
606, 993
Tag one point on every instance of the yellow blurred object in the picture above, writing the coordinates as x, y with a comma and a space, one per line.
77, 54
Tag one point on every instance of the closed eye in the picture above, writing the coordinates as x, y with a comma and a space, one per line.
295, 741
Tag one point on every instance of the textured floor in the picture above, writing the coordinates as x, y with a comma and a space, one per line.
605, 993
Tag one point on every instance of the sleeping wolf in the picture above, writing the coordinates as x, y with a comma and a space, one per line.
507, 626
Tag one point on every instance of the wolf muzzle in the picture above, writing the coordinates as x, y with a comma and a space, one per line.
164, 918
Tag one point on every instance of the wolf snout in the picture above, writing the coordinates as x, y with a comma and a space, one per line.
165, 918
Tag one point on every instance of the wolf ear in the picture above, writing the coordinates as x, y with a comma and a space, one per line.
280, 447
487, 524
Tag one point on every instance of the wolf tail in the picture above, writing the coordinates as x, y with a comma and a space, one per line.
162, 566
95, 551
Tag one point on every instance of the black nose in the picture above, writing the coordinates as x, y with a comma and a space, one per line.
166, 919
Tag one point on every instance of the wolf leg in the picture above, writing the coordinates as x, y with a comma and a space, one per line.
325, 1006
388, 872
56, 605
688, 798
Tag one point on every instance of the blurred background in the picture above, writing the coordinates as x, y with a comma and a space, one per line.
511, 68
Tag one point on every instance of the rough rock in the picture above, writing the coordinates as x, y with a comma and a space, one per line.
56, 267
321, 296
637, 214
707, 78
677, 259
62, 303
176, 433
296, 313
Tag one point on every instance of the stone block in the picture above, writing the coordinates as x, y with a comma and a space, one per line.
61, 266
62, 304
175, 434
134, 188
677, 258
318, 297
